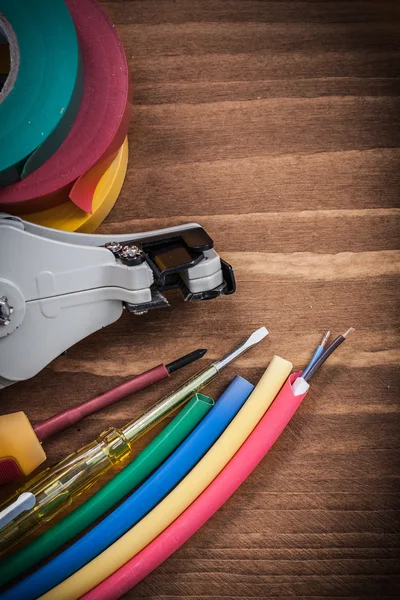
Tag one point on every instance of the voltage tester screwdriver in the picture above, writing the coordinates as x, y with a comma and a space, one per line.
21, 450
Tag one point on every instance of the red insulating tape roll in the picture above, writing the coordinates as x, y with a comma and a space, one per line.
99, 129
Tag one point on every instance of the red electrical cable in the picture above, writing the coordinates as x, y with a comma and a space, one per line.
223, 486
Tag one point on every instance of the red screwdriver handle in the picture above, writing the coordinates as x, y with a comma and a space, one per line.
69, 417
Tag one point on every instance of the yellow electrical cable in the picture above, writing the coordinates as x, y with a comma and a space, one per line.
109, 561
69, 217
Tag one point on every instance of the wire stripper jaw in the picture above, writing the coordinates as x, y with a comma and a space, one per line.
58, 287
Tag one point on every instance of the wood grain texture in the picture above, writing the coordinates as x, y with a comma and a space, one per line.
275, 124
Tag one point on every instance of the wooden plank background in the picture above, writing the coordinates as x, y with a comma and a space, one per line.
276, 126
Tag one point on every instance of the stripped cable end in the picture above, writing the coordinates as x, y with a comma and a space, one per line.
348, 332
309, 373
325, 338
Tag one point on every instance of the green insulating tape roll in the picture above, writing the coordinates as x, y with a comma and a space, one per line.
115, 490
41, 95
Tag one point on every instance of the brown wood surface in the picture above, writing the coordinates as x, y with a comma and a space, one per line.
276, 126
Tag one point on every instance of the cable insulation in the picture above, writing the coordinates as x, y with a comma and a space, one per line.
318, 352
108, 496
140, 502
330, 349
233, 475
184, 494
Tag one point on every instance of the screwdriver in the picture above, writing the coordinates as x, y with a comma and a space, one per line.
57, 487
21, 450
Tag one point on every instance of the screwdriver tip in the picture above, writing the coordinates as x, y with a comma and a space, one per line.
251, 341
257, 336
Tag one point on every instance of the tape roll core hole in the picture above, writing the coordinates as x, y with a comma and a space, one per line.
9, 58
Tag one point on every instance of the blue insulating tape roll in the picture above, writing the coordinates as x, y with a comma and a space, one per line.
141, 501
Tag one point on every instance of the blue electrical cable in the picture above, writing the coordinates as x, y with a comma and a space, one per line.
138, 504
317, 354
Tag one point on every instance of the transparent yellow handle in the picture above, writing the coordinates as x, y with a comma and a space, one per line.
55, 488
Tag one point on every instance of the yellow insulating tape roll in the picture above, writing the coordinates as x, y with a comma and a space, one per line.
184, 494
69, 217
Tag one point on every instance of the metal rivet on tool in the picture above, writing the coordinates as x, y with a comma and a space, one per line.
5, 311
130, 252
114, 247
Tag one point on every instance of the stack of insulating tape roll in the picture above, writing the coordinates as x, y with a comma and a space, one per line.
65, 109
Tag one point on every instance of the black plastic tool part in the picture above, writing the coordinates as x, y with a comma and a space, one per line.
185, 360
175, 252
170, 254
194, 238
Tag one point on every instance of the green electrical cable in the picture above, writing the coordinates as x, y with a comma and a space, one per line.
145, 463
